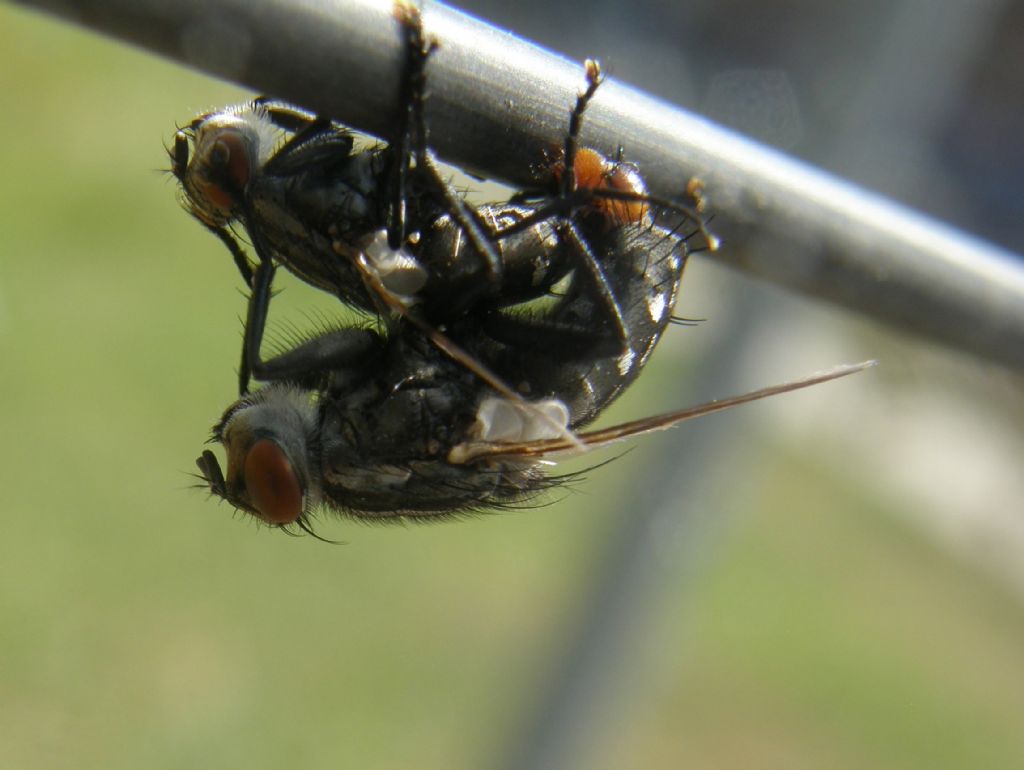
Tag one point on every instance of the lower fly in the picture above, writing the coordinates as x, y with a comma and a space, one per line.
402, 433
390, 427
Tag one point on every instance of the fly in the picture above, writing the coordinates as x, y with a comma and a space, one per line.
382, 230
402, 433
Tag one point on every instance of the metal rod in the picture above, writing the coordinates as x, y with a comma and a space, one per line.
497, 102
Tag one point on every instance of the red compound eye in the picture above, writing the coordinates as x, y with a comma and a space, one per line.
272, 485
233, 155
229, 170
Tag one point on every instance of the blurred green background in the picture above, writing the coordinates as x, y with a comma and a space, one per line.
797, 616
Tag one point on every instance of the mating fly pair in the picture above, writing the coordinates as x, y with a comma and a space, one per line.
416, 423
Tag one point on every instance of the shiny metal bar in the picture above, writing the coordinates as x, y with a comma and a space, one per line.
497, 101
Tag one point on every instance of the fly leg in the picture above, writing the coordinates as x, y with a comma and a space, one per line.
256, 316
255, 322
589, 272
241, 259
595, 329
286, 116
596, 199
588, 268
413, 139
415, 134
572, 136
179, 165
344, 350
331, 140
596, 204
410, 100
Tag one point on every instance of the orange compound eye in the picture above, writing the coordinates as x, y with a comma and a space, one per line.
272, 485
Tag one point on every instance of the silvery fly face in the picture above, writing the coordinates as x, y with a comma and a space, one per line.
227, 150
269, 437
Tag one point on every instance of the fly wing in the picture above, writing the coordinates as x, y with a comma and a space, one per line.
596, 439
